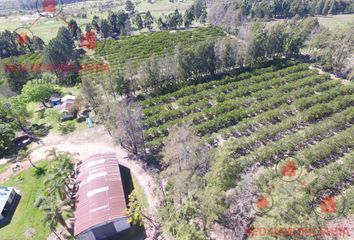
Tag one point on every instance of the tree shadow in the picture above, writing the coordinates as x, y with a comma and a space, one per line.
134, 232
39, 130
39, 172
127, 181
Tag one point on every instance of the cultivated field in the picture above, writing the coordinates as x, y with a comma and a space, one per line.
268, 116
136, 49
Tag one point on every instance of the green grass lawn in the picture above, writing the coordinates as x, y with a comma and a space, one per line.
26, 215
51, 116
161, 7
3, 167
334, 22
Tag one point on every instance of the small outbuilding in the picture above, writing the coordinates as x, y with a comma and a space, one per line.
67, 103
7, 197
100, 201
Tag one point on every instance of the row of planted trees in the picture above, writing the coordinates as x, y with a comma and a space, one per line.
57, 200
184, 66
201, 62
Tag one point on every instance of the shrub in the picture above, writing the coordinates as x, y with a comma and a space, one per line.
37, 92
67, 127
317, 112
52, 115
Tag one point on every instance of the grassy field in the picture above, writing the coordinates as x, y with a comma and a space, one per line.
26, 215
334, 22
162, 7
51, 116
47, 28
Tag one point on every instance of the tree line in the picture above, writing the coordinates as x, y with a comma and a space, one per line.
288, 8
13, 44
333, 51
196, 12
202, 61
232, 14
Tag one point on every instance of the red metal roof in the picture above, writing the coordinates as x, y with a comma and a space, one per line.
100, 197
67, 105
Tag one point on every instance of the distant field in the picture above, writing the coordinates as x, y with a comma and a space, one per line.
47, 28
336, 21
161, 7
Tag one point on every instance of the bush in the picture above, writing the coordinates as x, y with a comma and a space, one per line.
67, 127
38, 201
37, 92
317, 112
52, 115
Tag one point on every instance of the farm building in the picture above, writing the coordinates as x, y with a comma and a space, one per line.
7, 197
66, 103
101, 203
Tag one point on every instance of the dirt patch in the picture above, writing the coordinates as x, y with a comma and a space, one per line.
29, 233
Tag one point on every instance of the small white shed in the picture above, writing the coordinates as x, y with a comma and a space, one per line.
7, 196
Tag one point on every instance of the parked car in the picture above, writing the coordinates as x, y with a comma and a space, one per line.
22, 141
68, 117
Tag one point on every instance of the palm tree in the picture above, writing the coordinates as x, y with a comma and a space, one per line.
54, 209
26, 155
56, 185
66, 164
60, 174
56, 198
52, 153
